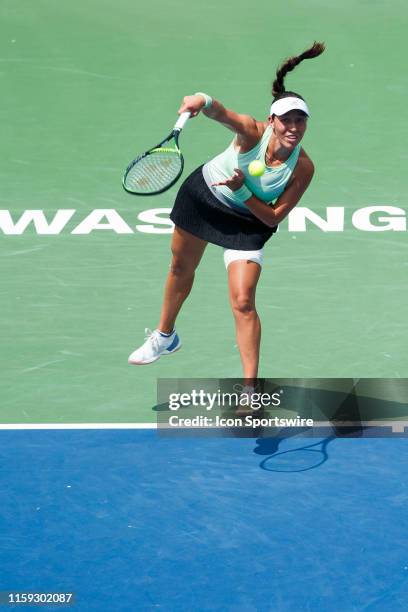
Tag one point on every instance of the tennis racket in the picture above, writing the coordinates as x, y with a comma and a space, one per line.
159, 168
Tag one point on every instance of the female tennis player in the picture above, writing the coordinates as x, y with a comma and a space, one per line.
222, 203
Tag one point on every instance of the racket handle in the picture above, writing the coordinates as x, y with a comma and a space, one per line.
181, 121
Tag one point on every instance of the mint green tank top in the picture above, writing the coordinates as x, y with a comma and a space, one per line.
267, 187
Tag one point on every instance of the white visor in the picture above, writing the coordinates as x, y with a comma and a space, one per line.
284, 105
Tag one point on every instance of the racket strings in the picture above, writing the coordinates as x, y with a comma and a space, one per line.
155, 171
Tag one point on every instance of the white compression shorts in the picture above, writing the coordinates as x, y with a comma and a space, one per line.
231, 255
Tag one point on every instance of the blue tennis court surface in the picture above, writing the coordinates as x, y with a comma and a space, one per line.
129, 520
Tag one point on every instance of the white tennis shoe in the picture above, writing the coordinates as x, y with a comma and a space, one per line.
246, 393
155, 346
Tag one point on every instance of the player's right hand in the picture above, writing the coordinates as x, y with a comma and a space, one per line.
192, 104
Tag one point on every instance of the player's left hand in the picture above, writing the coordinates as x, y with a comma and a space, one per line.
234, 182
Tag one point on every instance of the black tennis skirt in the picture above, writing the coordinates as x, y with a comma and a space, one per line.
197, 210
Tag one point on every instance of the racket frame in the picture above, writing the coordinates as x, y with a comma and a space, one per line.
174, 135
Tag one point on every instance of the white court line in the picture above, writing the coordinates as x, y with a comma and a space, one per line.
396, 426
78, 426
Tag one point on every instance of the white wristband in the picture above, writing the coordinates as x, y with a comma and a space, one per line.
207, 98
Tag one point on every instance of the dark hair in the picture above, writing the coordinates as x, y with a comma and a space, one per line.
278, 86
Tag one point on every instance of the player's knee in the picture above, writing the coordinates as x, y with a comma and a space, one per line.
181, 267
243, 305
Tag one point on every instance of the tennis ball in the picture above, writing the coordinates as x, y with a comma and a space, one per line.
256, 168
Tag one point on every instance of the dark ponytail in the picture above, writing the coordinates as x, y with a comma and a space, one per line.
278, 86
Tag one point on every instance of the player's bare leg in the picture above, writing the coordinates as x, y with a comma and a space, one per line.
187, 251
243, 277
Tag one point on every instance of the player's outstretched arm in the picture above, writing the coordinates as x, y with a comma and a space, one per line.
243, 125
